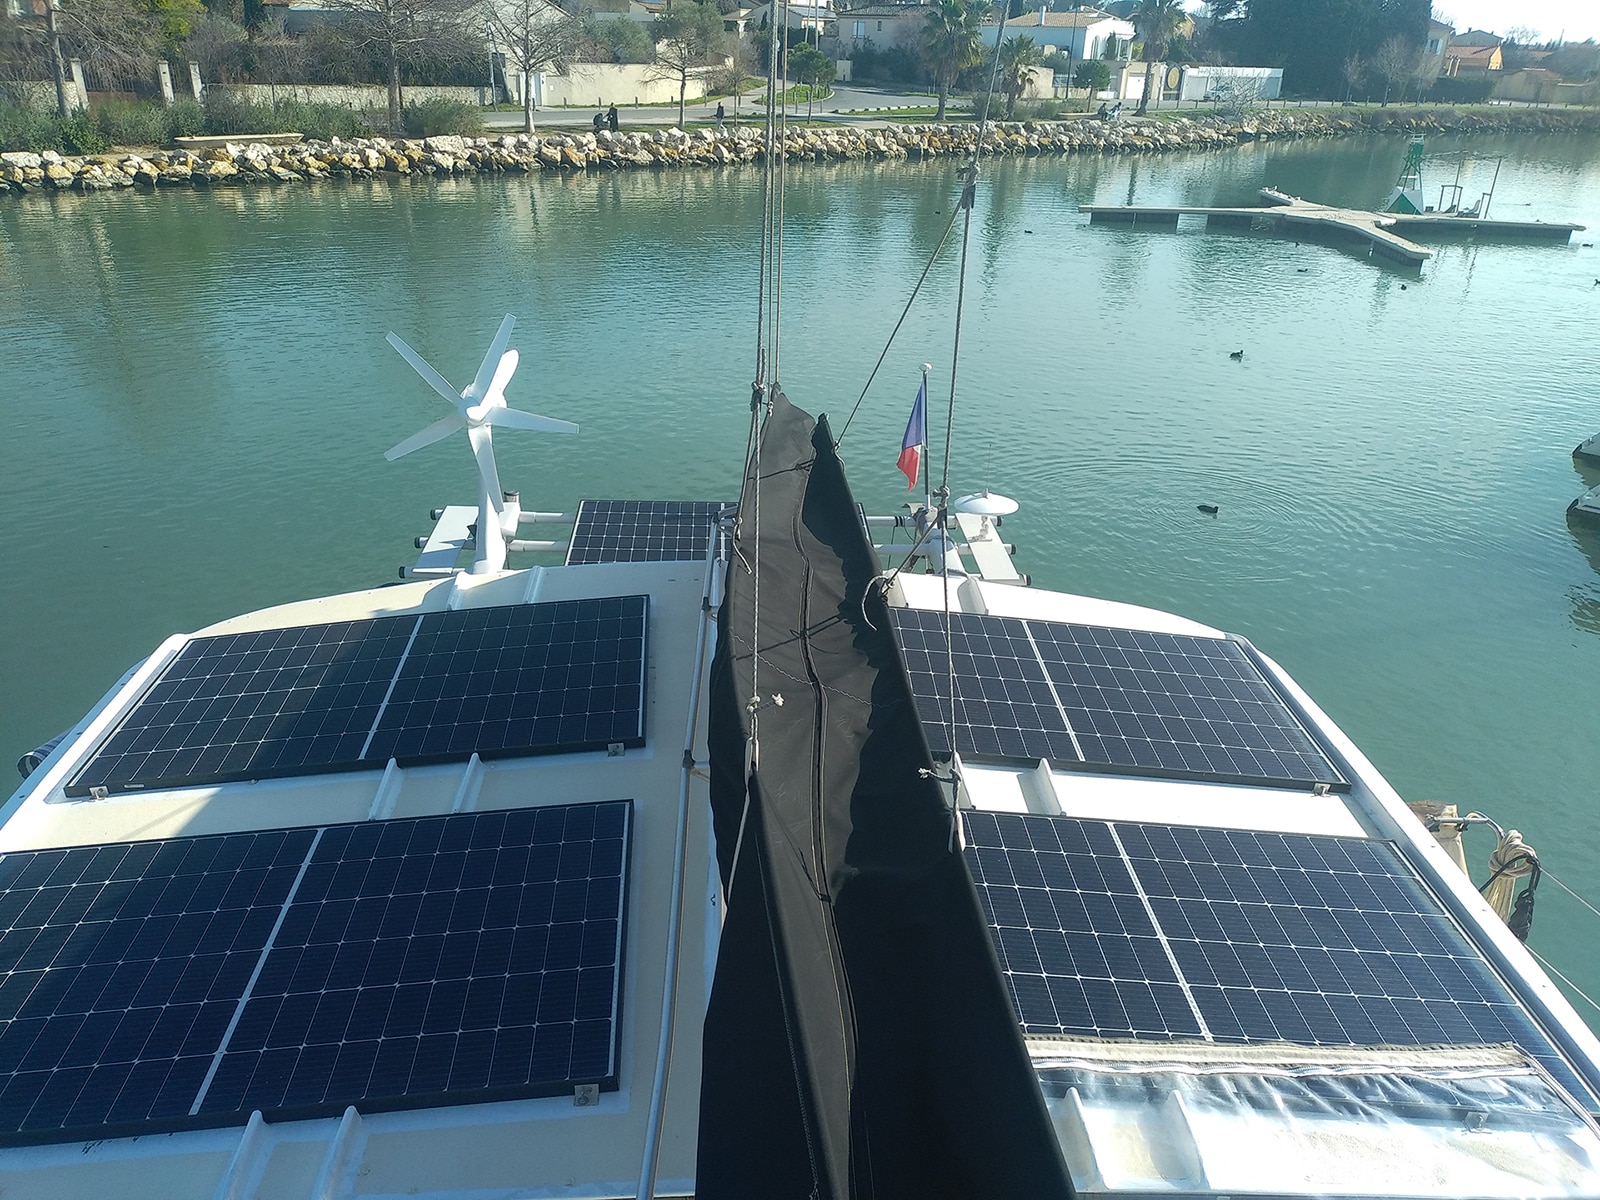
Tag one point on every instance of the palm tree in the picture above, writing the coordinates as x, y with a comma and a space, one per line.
1017, 56
1156, 21
953, 41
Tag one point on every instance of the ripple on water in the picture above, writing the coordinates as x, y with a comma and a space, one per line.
1263, 527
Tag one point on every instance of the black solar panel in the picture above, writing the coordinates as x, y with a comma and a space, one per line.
643, 530
1123, 699
1155, 931
564, 676
518, 679
395, 964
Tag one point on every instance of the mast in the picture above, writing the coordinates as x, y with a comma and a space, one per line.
859, 1039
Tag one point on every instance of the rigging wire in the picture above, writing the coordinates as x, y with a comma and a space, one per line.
768, 326
969, 194
760, 403
904, 313
1548, 966
1554, 878
783, 176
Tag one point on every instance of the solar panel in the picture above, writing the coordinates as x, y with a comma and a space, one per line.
1156, 931
643, 530
563, 676
518, 679
1121, 699
394, 964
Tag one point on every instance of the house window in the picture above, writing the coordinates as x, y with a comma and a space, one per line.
880, 26
860, 29
1435, 46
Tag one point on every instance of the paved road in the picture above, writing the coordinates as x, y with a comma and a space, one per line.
876, 105
747, 111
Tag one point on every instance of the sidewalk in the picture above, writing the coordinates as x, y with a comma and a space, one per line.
750, 110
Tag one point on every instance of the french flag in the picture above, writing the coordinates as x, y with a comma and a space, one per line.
916, 437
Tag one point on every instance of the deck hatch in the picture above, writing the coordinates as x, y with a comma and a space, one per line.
610, 531
432, 687
1114, 929
1117, 699
395, 964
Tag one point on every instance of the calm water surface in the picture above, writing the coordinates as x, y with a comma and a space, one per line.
196, 397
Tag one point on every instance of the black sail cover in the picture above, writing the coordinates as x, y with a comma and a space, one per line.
859, 1041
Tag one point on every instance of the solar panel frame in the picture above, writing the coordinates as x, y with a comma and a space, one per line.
247, 705
608, 531
1093, 697
189, 982
558, 677
567, 676
1121, 929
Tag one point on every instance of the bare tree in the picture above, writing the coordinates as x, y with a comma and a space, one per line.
689, 39
1354, 70
23, 55
220, 46
1234, 97
401, 31
117, 40
534, 34
1395, 62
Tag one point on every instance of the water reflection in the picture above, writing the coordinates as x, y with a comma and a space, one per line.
1385, 492
1586, 609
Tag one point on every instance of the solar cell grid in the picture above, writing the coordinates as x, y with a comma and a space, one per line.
568, 674
1122, 699
250, 704
1232, 936
642, 530
122, 966
394, 964
516, 679
1004, 703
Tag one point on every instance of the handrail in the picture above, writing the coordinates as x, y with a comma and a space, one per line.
669, 996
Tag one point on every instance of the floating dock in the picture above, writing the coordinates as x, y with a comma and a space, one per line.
1283, 213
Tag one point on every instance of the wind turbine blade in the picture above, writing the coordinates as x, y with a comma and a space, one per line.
420, 365
513, 418
479, 387
442, 428
483, 447
502, 376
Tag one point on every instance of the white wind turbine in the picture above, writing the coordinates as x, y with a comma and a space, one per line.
479, 407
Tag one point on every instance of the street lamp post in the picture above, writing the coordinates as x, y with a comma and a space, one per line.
56, 65
489, 28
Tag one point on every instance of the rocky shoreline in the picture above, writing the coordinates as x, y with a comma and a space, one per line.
250, 163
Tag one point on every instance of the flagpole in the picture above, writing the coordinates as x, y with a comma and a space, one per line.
927, 474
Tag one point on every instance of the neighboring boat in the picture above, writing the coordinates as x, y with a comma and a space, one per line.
1586, 508
1588, 451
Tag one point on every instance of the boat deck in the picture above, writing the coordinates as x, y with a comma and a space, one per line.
481, 967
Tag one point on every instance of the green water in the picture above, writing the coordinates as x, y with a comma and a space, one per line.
196, 395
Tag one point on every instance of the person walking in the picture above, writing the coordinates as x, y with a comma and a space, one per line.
611, 118
721, 113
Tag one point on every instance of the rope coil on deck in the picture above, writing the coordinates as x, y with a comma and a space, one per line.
1512, 860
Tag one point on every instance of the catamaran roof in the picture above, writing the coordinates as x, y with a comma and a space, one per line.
441, 969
